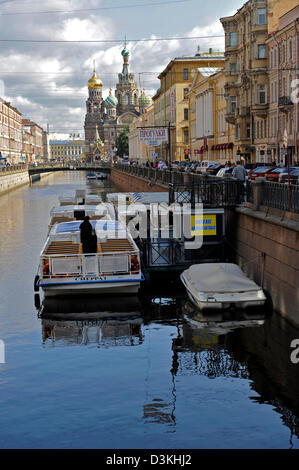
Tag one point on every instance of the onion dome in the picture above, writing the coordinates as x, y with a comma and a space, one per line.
111, 100
144, 100
125, 52
94, 81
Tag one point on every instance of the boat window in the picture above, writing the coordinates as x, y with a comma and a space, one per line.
79, 215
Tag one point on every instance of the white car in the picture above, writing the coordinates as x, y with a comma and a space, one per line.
204, 165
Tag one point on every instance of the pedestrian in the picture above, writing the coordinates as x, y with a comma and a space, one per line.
88, 237
239, 172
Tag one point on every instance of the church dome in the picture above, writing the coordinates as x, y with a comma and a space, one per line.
125, 52
111, 101
94, 81
144, 100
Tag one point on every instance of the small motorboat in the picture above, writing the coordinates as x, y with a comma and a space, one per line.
101, 176
221, 286
91, 176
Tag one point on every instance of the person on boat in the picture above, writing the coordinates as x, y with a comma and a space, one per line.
88, 236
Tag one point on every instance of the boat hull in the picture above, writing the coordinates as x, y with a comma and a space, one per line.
131, 287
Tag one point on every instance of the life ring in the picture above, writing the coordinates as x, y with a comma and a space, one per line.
134, 264
46, 269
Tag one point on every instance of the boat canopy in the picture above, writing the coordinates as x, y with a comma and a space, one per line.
90, 210
103, 228
218, 277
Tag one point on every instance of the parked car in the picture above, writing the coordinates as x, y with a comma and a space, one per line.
204, 165
224, 171
253, 165
275, 174
260, 171
213, 169
294, 176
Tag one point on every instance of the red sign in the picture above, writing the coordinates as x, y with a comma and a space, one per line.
186, 151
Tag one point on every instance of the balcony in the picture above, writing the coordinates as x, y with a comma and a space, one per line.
285, 103
244, 111
230, 117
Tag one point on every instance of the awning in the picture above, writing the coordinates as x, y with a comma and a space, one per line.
213, 147
230, 145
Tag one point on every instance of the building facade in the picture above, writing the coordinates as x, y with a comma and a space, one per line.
10, 133
139, 151
171, 103
66, 150
248, 88
33, 145
108, 117
211, 137
283, 47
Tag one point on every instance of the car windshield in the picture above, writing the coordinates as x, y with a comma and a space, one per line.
262, 169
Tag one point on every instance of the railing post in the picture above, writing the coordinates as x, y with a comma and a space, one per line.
257, 193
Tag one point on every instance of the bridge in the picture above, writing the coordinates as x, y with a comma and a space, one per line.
34, 169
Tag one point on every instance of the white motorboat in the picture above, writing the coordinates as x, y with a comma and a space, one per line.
221, 285
65, 270
101, 176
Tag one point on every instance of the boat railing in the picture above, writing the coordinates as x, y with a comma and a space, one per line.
90, 264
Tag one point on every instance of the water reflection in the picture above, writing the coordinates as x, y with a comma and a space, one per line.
102, 320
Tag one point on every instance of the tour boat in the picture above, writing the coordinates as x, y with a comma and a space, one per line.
221, 285
64, 269
78, 212
79, 198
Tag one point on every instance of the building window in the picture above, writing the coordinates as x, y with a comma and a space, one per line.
233, 39
238, 131
262, 16
248, 130
258, 129
233, 103
186, 74
127, 99
186, 136
186, 90
186, 114
233, 67
261, 94
291, 49
261, 51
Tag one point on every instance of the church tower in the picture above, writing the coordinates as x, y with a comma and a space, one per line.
126, 89
94, 107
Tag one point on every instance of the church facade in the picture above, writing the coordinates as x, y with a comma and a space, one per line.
106, 118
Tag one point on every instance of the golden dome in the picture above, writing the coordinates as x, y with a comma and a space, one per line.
95, 82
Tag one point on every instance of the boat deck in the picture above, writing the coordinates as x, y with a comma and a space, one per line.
70, 248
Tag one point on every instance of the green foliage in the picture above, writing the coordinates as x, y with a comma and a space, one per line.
122, 142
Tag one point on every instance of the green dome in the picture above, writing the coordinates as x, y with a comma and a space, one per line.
144, 100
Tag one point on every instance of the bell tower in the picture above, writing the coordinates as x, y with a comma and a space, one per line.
126, 89
94, 107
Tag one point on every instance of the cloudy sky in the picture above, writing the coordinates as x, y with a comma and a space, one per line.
47, 53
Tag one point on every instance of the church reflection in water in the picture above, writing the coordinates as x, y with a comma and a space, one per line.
253, 346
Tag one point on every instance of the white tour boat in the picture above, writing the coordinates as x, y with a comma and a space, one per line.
64, 269
91, 176
79, 197
71, 213
221, 285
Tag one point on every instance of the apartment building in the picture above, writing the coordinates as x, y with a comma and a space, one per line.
33, 146
283, 47
62, 150
10, 133
171, 103
211, 137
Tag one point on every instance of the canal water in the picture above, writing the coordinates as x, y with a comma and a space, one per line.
145, 372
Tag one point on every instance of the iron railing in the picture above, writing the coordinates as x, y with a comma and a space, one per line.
211, 193
5, 170
281, 196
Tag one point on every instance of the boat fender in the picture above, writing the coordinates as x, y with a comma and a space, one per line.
36, 283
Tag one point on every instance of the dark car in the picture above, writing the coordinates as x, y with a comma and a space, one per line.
253, 165
213, 169
260, 171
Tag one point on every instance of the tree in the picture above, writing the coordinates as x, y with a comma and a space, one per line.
122, 142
